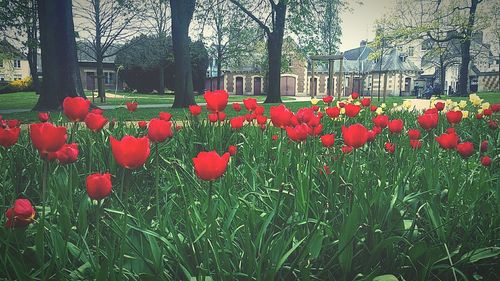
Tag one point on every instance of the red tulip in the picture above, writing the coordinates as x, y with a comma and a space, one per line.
479, 116
341, 104
414, 134
366, 102
381, 121
159, 130
448, 141
495, 107
298, 133
212, 117
21, 214
216, 100
13, 123
236, 106
373, 108
395, 126
431, 111
328, 99
328, 140
333, 112
142, 124
355, 135
352, 110
439, 106
493, 124
377, 130
465, 149
250, 104
237, 122
355, 96
8, 136
76, 109
371, 135
221, 116
261, 120
390, 147
43, 116
487, 112
95, 122
415, 144
195, 110
232, 150
281, 116
66, 155
47, 137
454, 117
274, 137
486, 161
210, 166
131, 106
326, 169
98, 186
165, 116
346, 149
130, 152
259, 110
97, 111
304, 115
428, 121
315, 108
484, 146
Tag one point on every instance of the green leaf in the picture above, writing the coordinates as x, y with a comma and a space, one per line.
386, 277
346, 236
481, 254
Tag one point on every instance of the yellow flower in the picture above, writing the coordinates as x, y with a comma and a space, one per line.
456, 108
448, 101
475, 99
465, 114
407, 104
314, 101
395, 104
342, 110
480, 111
462, 104
357, 103
379, 111
383, 105
485, 105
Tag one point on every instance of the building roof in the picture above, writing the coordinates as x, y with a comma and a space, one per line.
359, 53
8, 48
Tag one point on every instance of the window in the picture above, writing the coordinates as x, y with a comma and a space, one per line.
1, 63
17, 64
109, 77
411, 51
18, 77
400, 48
290, 62
2, 78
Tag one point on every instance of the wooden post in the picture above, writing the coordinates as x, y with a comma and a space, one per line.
339, 81
385, 84
312, 87
330, 77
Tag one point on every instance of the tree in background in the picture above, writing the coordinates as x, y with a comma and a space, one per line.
299, 18
105, 23
19, 22
157, 18
61, 74
441, 22
182, 14
230, 33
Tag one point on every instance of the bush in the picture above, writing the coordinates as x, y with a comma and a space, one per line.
25, 84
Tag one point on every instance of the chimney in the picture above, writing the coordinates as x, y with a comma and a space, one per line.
362, 43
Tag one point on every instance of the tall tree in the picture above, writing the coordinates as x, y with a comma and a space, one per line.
61, 75
330, 27
105, 23
19, 22
230, 34
158, 18
182, 14
300, 18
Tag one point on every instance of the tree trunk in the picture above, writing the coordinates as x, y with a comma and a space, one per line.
442, 78
274, 45
100, 79
182, 13
463, 78
219, 73
33, 45
61, 76
161, 90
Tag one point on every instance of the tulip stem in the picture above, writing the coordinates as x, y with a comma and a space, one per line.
157, 184
45, 167
125, 216
98, 235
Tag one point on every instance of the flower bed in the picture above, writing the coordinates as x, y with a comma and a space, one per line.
335, 191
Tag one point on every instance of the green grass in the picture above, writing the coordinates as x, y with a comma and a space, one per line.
27, 100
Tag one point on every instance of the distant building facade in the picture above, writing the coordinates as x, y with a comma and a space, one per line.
13, 64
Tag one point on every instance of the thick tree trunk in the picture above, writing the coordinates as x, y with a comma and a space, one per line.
100, 79
33, 46
442, 77
463, 74
61, 76
274, 45
182, 12
161, 90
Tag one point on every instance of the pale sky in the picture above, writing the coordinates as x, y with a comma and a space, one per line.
358, 22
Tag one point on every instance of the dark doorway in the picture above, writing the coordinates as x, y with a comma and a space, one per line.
356, 85
257, 86
313, 87
407, 85
90, 81
239, 85
287, 85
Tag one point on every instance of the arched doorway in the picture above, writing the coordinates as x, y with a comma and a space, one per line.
287, 86
239, 85
257, 86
